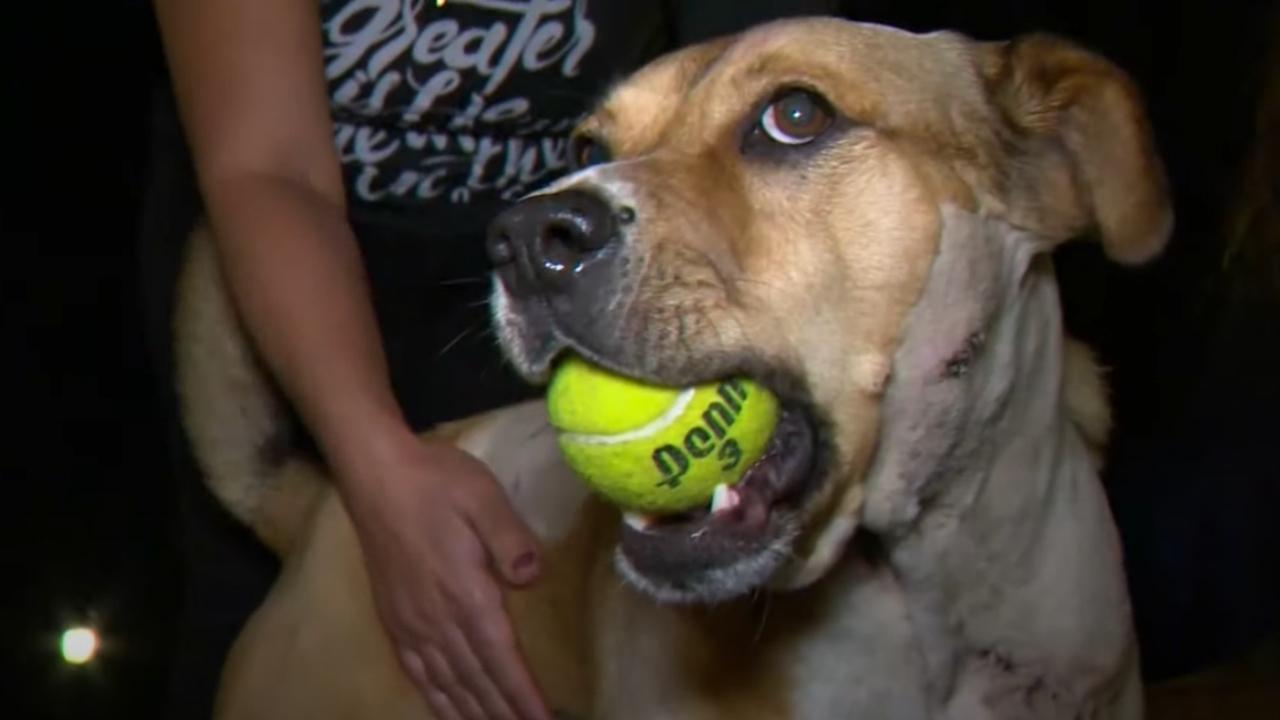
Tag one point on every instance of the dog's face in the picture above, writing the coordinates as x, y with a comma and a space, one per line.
771, 205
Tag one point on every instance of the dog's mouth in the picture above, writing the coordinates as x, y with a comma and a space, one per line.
746, 533
741, 537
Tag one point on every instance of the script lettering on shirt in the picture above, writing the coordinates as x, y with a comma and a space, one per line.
365, 37
408, 133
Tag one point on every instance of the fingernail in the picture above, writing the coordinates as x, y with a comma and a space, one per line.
525, 563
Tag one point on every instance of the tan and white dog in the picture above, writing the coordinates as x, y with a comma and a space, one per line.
862, 219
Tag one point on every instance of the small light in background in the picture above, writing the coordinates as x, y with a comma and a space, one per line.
79, 645
440, 3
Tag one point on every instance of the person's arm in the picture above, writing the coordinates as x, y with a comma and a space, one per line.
249, 83
248, 77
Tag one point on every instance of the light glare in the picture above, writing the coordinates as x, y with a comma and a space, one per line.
79, 645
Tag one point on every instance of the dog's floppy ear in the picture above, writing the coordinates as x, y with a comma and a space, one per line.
1077, 123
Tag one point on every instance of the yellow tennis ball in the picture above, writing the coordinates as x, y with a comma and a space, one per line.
657, 449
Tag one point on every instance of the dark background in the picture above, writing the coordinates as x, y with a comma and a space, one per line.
90, 533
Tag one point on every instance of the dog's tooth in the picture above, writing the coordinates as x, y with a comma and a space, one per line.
724, 498
718, 497
637, 521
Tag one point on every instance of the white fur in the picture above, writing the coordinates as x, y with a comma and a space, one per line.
997, 526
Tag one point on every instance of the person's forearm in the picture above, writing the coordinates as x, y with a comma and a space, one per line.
249, 80
294, 269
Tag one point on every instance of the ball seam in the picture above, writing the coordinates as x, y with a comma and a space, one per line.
670, 415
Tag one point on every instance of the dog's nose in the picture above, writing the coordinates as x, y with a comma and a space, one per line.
543, 244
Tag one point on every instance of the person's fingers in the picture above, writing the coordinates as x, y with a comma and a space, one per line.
494, 642
440, 704
441, 676
437, 570
473, 674
511, 545
414, 668
472, 709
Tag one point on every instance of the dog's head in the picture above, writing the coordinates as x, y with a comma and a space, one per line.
773, 205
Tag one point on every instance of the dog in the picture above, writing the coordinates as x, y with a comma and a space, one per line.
862, 219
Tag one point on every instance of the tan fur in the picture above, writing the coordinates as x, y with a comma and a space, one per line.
815, 270
231, 412
1062, 100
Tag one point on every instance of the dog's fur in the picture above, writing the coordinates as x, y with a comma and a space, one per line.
956, 558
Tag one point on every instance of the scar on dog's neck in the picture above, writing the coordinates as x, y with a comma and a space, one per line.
981, 471
980, 362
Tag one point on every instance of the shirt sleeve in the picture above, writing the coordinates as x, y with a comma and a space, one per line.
697, 20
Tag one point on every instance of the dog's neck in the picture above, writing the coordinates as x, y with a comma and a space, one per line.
994, 521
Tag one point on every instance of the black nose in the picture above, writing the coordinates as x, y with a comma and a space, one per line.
544, 244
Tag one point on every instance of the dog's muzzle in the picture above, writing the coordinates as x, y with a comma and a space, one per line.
569, 273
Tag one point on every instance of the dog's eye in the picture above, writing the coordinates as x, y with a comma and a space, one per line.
585, 151
795, 118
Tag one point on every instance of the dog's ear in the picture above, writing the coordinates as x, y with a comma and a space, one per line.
1076, 122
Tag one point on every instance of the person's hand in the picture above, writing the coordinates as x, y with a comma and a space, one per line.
437, 533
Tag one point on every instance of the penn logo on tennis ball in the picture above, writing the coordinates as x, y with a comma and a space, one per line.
709, 438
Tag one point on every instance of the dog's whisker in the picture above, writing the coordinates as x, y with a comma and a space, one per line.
457, 339
764, 617
682, 334
539, 432
710, 320
729, 282
466, 280
743, 279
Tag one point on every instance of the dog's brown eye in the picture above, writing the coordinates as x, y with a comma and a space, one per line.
795, 118
586, 151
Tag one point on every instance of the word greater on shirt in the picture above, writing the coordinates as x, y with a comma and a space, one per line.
430, 109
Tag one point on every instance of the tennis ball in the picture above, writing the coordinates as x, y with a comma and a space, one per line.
655, 449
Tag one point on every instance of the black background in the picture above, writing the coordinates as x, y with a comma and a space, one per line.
89, 528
